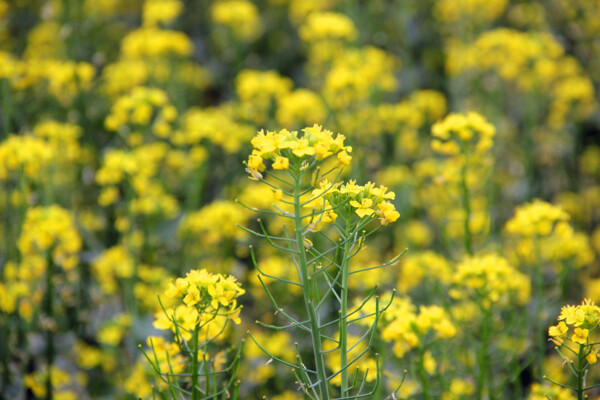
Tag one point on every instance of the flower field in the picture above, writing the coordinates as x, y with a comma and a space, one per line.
299, 199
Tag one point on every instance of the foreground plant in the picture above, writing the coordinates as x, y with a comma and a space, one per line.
329, 222
420, 333
37, 289
545, 243
576, 340
466, 140
489, 285
202, 306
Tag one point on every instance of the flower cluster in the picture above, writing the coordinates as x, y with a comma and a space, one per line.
411, 329
543, 230
490, 281
214, 223
63, 79
576, 340
479, 11
218, 126
327, 26
111, 265
281, 147
160, 11
138, 168
258, 93
534, 62
150, 42
208, 300
350, 199
196, 309
23, 155
51, 229
142, 109
582, 319
241, 17
426, 267
537, 218
358, 74
457, 133
301, 107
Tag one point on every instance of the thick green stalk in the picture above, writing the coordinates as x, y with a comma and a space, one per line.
486, 354
196, 188
380, 345
529, 156
539, 326
307, 290
485, 371
466, 208
195, 391
343, 313
49, 315
423, 374
6, 107
8, 247
4, 333
580, 372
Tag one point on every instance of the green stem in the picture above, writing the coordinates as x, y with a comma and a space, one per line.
466, 207
307, 290
529, 159
49, 315
540, 333
6, 107
7, 231
196, 188
195, 391
485, 370
488, 362
423, 374
381, 349
344, 312
4, 334
581, 373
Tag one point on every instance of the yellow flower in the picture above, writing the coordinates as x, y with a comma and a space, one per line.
491, 280
344, 158
281, 163
382, 193
535, 218
316, 143
580, 335
209, 300
363, 208
302, 148
429, 362
52, 229
256, 163
387, 212
241, 16
351, 187
592, 358
457, 131
156, 11
327, 26
573, 315
108, 196
193, 296
558, 332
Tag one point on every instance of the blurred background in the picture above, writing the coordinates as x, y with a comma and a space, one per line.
125, 125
